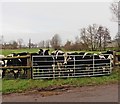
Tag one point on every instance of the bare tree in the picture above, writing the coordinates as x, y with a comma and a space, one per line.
92, 35
14, 44
29, 44
84, 38
47, 44
68, 45
100, 35
114, 10
41, 44
95, 37
106, 38
20, 41
117, 38
55, 41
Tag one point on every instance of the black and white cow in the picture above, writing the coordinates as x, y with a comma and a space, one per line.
107, 56
85, 61
2, 64
41, 53
59, 58
16, 62
43, 61
10, 62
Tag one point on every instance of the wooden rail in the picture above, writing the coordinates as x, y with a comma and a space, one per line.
15, 57
15, 67
28, 66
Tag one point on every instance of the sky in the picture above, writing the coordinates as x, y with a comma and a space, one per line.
42, 20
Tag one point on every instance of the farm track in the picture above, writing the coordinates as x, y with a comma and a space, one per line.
101, 93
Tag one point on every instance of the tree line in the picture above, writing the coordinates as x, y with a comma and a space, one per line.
94, 37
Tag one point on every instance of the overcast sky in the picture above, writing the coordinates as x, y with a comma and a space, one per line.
41, 20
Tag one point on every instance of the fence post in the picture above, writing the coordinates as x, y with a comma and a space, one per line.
114, 58
74, 65
29, 71
93, 64
31, 68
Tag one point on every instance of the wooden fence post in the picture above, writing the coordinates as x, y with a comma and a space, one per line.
29, 73
114, 58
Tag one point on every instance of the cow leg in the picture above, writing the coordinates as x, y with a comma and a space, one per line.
16, 73
59, 68
3, 73
24, 72
53, 70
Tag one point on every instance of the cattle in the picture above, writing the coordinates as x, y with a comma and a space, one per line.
66, 63
44, 62
107, 53
41, 52
59, 60
21, 61
69, 62
2, 63
58, 56
84, 61
76, 62
107, 56
103, 60
13, 62
54, 52
10, 62
118, 57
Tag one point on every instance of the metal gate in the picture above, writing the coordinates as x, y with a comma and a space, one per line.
49, 67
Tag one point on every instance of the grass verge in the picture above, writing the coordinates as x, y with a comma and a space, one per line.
22, 85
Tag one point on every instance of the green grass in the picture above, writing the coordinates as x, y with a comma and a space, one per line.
9, 51
20, 85
118, 53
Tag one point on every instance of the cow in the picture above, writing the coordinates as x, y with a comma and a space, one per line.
107, 53
43, 61
103, 60
13, 62
82, 62
2, 64
108, 56
59, 61
69, 62
41, 52
10, 62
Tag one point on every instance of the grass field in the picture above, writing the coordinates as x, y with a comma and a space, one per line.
9, 51
21, 85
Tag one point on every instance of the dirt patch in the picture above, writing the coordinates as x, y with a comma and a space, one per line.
47, 91
53, 90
